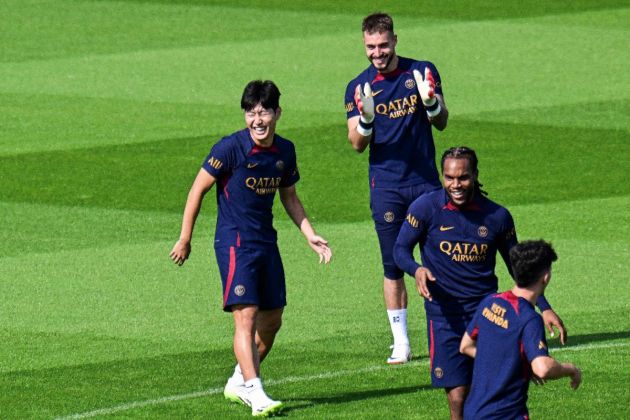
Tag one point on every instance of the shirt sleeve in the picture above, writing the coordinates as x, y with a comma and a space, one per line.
351, 106
534, 342
291, 173
408, 238
220, 160
507, 239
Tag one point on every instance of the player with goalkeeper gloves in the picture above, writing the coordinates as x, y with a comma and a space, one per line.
392, 106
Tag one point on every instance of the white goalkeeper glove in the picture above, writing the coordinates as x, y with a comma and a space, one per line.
426, 87
365, 103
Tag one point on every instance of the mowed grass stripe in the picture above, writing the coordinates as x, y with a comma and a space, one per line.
527, 73
520, 164
297, 379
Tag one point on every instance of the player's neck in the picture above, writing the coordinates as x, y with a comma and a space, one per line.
393, 65
266, 142
528, 294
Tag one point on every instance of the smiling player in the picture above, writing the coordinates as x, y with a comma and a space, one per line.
460, 232
392, 106
248, 167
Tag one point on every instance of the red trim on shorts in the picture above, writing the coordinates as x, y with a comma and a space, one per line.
231, 271
238, 239
431, 344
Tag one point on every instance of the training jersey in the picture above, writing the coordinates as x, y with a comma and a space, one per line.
459, 246
402, 152
510, 335
248, 177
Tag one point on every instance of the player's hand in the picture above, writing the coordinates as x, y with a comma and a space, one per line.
552, 320
422, 275
365, 102
320, 246
426, 86
180, 252
576, 378
537, 380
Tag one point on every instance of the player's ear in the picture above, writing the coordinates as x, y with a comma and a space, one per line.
278, 112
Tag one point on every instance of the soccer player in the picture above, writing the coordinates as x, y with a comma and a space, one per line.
392, 106
248, 167
460, 232
506, 337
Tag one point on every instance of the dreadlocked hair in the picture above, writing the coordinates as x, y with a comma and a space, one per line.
463, 152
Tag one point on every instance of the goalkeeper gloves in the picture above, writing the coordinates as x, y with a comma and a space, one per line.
365, 103
426, 87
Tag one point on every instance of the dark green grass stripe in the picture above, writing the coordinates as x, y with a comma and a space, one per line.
520, 164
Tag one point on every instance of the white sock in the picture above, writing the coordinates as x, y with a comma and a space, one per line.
398, 324
237, 376
256, 393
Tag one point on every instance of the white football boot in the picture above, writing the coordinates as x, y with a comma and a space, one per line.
400, 354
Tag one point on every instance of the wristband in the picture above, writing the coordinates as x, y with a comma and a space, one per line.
434, 109
365, 128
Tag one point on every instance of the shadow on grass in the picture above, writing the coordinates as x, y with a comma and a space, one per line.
578, 340
355, 396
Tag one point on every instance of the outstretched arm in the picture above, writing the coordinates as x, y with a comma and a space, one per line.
202, 184
546, 368
295, 210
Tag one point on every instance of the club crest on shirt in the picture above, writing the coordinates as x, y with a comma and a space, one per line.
410, 83
239, 290
389, 216
280, 165
438, 372
482, 231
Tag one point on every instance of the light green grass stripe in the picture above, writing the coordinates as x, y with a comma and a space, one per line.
522, 64
295, 379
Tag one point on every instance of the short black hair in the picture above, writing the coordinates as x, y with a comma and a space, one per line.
529, 260
378, 22
261, 92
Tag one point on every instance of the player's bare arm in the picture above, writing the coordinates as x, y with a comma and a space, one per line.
360, 127
547, 368
202, 184
468, 346
551, 320
358, 141
295, 210
439, 121
423, 275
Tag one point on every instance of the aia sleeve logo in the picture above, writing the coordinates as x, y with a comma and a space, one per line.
412, 221
215, 163
349, 106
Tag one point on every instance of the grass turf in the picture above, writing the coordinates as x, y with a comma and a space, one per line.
108, 108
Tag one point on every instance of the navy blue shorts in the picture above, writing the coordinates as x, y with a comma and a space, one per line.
252, 276
449, 368
389, 209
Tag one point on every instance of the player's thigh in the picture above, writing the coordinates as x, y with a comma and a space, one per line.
389, 209
449, 368
239, 276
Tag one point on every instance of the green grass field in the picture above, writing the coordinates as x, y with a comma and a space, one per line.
107, 109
